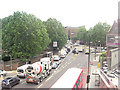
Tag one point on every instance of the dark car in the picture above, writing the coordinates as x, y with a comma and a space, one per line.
10, 82
75, 51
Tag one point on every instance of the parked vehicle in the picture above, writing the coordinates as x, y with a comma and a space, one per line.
80, 48
75, 51
3, 72
48, 54
21, 71
62, 56
36, 72
10, 82
54, 65
56, 58
111, 75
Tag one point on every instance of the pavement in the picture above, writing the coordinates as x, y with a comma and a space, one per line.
93, 70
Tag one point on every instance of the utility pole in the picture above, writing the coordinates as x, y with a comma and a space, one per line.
11, 62
88, 76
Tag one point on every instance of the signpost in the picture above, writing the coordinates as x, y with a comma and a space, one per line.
54, 44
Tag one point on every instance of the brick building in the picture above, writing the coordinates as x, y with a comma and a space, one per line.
112, 42
71, 31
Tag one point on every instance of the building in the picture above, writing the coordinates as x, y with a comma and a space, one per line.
113, 59
71, 31
112, 42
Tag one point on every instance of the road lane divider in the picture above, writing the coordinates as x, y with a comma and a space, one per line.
39, 86
49, 78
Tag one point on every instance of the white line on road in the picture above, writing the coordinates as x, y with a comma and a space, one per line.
40, 86
49, 78
23, 82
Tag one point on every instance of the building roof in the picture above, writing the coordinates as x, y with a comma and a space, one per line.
114, 28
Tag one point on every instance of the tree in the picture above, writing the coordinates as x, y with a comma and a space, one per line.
23, 35
98, 33
56, 32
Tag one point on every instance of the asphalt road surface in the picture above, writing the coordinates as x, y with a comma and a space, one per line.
71, 60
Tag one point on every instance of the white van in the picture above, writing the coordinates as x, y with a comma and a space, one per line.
21, 71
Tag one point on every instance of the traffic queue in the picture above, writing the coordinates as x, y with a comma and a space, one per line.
38, 71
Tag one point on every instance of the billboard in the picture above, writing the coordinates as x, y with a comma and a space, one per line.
112, 40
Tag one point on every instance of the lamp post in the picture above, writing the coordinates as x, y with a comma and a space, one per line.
11, 61
88, 76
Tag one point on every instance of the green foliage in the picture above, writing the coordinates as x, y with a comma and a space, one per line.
81, 33
23, 35
75, 38
103, 56
56, 32
98, 33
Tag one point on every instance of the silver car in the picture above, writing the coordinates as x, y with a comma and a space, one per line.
3, 72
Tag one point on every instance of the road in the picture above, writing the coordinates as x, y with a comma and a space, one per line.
72, 60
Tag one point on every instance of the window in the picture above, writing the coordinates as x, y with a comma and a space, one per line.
20, 70
11, 80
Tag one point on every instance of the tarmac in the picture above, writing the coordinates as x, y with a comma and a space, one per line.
93, 69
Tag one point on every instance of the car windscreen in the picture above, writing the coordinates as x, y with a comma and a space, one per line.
5, 82
20, 70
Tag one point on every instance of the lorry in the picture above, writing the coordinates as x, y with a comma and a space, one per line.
37, 71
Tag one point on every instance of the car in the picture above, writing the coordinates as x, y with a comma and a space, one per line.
56, 58
103, 50
10, 82
105, 68
75, 51
111, 75
62, 56
117, 73
54, 65
94, 51
105, 71
3, 72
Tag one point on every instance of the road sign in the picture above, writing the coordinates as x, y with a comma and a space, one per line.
54, 44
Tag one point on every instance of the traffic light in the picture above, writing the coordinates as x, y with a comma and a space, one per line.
88, 78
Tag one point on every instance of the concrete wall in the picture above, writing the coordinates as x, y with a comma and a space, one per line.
113, 58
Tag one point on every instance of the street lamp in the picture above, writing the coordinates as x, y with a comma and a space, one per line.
88, 76
11, 61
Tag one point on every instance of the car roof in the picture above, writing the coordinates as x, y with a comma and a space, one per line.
8, 78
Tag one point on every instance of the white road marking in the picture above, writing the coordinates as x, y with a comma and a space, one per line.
40, 86
49, 78
23, 82
54, 71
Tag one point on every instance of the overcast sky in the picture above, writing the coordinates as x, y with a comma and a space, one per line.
69, 12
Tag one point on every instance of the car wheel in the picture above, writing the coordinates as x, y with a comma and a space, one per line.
18, 82
37, 82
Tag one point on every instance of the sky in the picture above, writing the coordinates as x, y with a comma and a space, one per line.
72, 13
